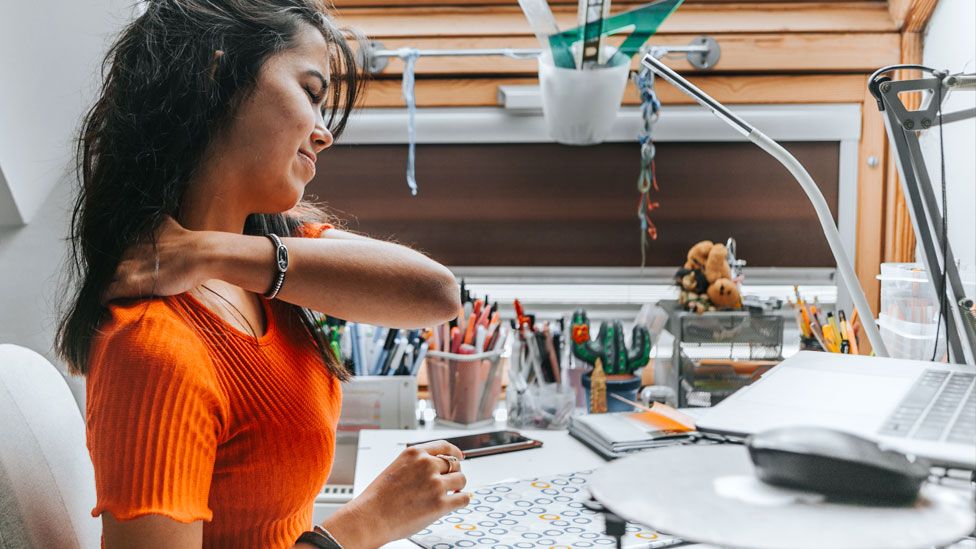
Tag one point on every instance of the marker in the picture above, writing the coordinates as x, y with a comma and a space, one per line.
834, 329
479, 338
470, 329
455, 340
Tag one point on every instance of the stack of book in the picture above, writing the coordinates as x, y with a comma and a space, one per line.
615, 435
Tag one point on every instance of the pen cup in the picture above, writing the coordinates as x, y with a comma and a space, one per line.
580, 106
464, 388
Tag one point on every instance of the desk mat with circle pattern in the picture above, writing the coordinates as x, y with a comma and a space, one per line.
532, 513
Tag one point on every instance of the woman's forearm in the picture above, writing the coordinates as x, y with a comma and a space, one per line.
350, 526
360, 279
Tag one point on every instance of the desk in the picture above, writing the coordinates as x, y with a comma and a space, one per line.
560, 453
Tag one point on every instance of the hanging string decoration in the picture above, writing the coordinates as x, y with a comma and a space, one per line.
647, 181
409, 57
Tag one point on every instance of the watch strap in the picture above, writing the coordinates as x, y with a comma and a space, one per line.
320, 538
281, 265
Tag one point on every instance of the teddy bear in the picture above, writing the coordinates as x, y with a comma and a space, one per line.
706, 281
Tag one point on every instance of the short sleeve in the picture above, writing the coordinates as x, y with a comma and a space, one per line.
153, 417
313, 230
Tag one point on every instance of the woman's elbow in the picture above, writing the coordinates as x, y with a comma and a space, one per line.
445, 296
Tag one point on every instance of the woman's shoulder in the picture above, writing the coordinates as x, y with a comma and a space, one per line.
141, 331
144, 316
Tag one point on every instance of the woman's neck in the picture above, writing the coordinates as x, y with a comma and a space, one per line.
211, 203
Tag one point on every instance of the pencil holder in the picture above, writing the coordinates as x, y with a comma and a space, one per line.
464, 388
540, 406
625, 385
580, 106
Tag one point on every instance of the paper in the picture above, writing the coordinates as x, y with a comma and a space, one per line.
539, 512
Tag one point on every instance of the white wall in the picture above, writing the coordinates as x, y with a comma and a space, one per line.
950, 43
31, 261
50, 53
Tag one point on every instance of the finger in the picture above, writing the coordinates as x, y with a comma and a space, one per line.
457, 500
446, 463
441, 447
454, 482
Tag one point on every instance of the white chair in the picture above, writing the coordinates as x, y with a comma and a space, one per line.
47, 486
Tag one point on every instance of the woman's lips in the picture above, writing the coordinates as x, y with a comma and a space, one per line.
308, 160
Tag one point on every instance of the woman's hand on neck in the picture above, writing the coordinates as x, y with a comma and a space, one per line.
179, 261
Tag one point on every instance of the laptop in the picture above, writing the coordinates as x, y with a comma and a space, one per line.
926, 409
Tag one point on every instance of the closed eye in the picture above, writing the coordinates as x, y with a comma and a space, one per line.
316, 98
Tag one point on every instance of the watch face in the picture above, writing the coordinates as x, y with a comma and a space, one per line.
282, 258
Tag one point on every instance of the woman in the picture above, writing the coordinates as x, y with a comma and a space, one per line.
212, 401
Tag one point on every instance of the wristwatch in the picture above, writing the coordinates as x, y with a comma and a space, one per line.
281, 265
320, 537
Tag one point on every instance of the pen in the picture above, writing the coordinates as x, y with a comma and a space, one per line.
420, 358
390, 363
398, 366
384, 354
845, 329
551, 350
490, 336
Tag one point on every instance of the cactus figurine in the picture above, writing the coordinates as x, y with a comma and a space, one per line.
609, 346
598, 389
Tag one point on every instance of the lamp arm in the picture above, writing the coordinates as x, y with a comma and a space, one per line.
802, 177
830, 231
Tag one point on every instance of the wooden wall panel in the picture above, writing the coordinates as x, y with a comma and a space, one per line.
871, 180
763, 17
760, 52
733, 89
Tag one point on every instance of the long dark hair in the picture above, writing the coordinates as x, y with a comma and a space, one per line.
163, 97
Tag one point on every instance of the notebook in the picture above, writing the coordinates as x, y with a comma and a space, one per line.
617, 434
538, 512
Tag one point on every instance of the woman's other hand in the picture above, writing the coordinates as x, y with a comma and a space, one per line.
415, 490
173, 267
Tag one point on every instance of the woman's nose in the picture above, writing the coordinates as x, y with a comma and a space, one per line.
321, 138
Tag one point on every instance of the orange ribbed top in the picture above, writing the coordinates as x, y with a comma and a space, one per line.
190, 418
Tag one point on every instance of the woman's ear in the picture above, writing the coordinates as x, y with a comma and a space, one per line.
215, 62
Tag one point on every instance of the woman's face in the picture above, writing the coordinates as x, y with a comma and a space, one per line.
271, 145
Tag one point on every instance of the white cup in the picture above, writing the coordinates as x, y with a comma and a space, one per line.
580, 106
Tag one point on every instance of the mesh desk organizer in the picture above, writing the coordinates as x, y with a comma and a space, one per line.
716, 353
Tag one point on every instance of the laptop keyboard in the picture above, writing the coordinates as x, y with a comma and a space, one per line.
940, 407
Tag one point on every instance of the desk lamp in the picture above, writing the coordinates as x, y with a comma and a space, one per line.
802, 177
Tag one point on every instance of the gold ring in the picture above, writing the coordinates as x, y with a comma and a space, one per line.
453, 465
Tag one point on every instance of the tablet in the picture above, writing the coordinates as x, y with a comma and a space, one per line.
485, 444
